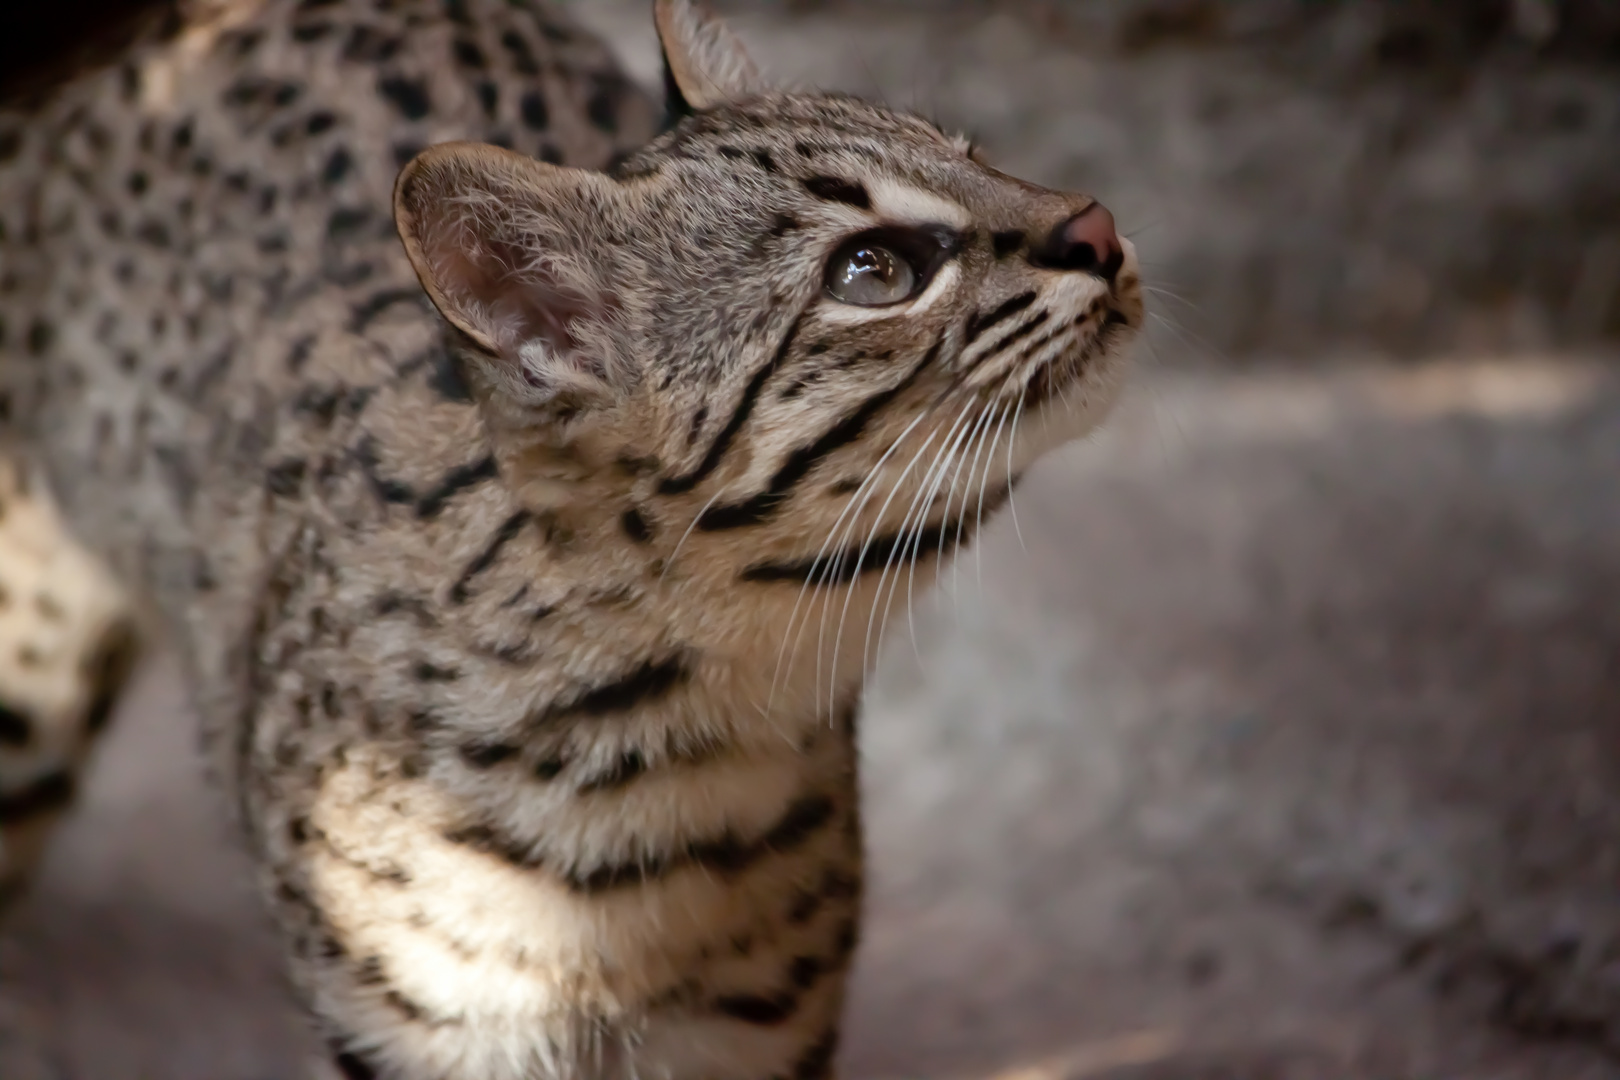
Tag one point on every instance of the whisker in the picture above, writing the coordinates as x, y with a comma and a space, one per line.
978, 528
860, 560
853, 507
669, 562
1012, 505
961, 522
920, 506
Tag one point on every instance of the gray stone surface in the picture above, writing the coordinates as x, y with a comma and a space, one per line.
1276, 739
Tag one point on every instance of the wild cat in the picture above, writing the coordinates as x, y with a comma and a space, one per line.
525, 572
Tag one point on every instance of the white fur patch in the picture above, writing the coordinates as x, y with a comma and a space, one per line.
902, 204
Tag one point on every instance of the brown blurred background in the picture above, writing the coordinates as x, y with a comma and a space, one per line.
1279, 737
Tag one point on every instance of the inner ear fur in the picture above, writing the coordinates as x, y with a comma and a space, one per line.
704, 63
510, 250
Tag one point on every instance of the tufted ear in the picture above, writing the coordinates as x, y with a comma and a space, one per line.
704, 63
511, 252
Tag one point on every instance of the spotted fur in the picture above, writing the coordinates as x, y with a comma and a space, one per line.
528, 632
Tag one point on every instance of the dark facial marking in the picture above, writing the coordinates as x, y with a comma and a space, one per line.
1008, 308
801, 461
675, 485
835, 189
1006, 243
843, 567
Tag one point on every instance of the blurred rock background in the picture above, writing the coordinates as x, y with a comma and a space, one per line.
1278, 737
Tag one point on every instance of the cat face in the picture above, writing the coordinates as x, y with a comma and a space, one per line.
790, 305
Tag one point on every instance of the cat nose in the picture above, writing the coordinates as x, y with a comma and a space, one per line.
1086, 242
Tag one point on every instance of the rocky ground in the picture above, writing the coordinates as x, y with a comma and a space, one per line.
1278, 736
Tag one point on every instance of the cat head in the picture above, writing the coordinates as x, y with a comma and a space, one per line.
787, 304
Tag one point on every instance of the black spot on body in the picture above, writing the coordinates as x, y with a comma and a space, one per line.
15, 728
488, 755
760, 1009
369, 46
817, 1060
523, 61
648, 681
488, 98
456, 481
353, 1067
338, 164
636, 526
286, 478
434, 673
41, 335
535, 114
468, 54
343, 223
446, 379
374, 305
602, 107
50, 793
409, 96
319, 122
504, 535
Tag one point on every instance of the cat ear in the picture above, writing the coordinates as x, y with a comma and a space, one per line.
704, 63
510, 251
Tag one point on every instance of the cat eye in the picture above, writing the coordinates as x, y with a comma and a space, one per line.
870, 275
888, 266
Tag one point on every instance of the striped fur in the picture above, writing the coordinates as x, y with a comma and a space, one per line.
529, 639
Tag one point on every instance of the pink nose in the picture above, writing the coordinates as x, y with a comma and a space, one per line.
1086, 242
